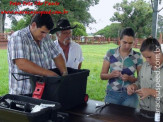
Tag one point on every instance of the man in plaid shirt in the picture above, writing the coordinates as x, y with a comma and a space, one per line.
31, 50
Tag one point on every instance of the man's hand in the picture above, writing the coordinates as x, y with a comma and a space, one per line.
144, 92
115, 74
131, 89
60, 64
65, 73
32, 68
51, 73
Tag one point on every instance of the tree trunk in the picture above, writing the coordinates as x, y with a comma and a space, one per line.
155, 19
3, 20
1, 23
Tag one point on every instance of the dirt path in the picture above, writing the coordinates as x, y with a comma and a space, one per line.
3, 45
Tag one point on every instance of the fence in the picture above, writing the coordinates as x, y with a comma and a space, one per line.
81, 40
3, 40
103, 40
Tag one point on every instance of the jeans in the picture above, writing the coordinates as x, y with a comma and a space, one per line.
121, 98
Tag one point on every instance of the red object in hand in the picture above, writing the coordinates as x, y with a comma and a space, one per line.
38, 90
86, 98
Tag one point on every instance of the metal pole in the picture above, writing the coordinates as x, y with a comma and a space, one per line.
155, 19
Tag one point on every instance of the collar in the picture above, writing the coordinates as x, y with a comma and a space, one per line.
56, 42
29, 33
148, 65
118, 53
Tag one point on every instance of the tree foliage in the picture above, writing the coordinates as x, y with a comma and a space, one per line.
136, 14
4, 5
111, 31
77, 10
160, 23
17, 25
80, 30
20, 25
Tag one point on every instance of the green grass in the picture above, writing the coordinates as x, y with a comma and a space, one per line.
3, 72
93, 59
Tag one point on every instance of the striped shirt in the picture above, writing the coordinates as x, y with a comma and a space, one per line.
22, 45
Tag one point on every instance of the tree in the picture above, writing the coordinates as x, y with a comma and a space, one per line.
160, 24
4, 5
112, 30
19, 25
136, 14
77, 10
22, 23
80, 30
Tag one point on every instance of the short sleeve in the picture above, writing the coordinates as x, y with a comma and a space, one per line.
17, 48
81, 58
107, 56
137, 83
140, 60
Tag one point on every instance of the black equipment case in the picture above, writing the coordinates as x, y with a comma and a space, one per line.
17, 108
69, 90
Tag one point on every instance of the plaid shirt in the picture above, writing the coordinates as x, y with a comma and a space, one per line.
22, 45
127, 66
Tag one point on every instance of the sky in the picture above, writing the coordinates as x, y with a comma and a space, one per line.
102, 13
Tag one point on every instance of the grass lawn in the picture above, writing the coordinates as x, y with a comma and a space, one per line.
3, 72
93, 59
